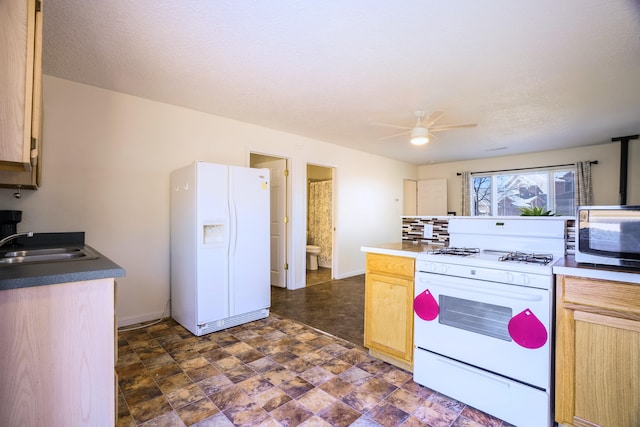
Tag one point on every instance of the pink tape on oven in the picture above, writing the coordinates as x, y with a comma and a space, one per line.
426, 306
527, 330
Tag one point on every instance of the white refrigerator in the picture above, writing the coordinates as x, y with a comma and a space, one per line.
220, 259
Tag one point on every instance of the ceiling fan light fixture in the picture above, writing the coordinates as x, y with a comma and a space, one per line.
419, 136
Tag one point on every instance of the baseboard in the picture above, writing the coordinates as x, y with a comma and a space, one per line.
297, 286
349, 274
132, 320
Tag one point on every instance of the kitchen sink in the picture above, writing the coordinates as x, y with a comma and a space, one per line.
71, 253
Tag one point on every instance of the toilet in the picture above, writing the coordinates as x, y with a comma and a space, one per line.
312, 257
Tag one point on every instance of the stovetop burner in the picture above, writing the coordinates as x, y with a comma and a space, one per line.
532, 258
455, 251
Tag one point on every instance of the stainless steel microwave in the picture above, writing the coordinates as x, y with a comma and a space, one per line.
608, 235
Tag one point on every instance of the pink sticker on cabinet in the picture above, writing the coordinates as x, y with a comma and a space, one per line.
527, 330
426, 306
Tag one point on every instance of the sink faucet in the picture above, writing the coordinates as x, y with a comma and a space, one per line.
14, 236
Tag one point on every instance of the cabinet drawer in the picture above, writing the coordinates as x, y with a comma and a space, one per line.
605, 294
390, 264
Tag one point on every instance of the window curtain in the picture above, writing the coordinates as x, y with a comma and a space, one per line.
584, 187
466, 196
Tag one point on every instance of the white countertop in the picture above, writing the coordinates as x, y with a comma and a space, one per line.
406, 249
569, 267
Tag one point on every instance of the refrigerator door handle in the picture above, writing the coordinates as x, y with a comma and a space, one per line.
233, 225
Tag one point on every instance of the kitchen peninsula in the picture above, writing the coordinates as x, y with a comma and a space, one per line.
57, 339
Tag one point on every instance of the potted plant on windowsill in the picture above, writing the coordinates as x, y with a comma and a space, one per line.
536, 211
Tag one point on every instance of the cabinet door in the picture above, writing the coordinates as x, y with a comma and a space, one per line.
20, 84
597, 353
389, 315
57, 355
607, 370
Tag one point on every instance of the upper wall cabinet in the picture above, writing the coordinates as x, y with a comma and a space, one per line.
21, 88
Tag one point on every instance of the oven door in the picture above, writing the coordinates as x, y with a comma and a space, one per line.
501, 328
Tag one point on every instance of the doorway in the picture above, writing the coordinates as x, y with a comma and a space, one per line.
278, 213
319, 250
410, 196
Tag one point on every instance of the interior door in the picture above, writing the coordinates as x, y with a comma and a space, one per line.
278, 214
410, 194
432, 197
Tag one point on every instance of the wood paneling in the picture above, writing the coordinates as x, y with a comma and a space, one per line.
391, 265
57, 355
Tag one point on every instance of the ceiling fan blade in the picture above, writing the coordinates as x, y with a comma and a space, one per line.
389, 125
447, 127
395, 135
433, 117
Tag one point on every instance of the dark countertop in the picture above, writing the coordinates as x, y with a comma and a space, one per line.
569, 267
14, 276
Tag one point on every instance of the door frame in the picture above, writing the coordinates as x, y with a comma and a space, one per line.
333, 211
289, 273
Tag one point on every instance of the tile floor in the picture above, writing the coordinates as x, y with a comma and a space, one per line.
271, 372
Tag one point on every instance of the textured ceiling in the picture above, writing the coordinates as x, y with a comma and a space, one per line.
535, 75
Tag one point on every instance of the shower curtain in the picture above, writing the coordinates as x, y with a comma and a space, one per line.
319, 220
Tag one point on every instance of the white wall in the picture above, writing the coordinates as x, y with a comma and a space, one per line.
106, 164
605, 174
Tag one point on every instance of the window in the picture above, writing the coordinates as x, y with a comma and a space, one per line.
504, 193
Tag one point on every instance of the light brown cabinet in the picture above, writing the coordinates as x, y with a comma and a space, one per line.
57, 355
21, 88
388, 308
597, 353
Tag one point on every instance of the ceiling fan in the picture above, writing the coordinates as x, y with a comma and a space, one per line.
423, 130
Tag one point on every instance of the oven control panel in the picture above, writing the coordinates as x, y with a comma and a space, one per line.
541, 281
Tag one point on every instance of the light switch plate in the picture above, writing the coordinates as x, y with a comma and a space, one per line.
428, 231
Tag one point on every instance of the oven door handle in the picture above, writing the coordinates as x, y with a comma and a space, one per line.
474, 372
477, 290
